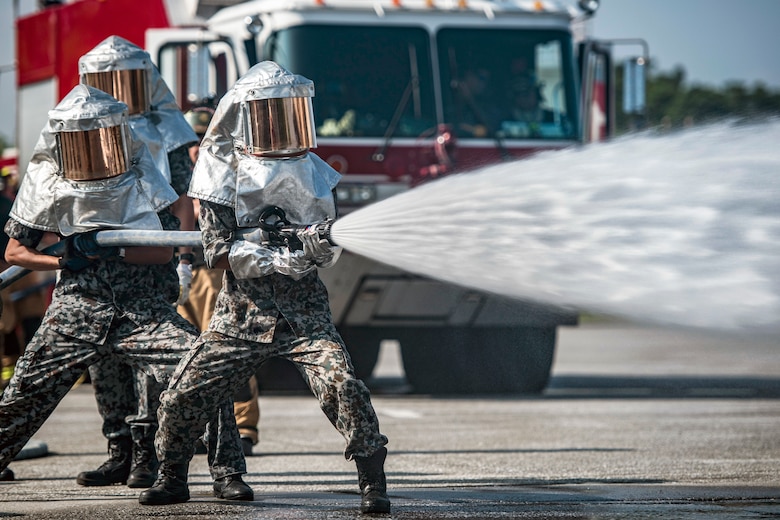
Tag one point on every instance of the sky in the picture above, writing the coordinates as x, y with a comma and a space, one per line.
715, 41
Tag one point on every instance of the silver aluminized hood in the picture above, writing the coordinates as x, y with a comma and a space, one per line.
226, 174
49, 202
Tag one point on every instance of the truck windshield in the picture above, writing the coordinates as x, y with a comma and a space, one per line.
508, 83
364, 77
378, 81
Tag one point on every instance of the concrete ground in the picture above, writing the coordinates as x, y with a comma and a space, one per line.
636, 423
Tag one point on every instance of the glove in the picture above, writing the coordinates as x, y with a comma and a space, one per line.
294, 264
249, 260
255, 235
185, 282
319, 250
262, 237
72, 260
86, 245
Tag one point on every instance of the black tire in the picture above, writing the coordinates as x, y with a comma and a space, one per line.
478, 360
280, 375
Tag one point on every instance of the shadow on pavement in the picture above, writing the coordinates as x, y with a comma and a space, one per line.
662, 387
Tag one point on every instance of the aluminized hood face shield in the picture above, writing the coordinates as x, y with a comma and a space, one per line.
93, 154
279, 126
90, 129
128, 86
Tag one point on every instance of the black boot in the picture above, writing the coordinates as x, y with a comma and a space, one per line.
6, 475
373, 486
143, 470
115, 469
233, 487
170, 488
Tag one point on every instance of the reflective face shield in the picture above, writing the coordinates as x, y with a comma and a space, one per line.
279, 126
93, 154
130, 86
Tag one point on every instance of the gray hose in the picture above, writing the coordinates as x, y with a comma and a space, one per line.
148, 238
119, 237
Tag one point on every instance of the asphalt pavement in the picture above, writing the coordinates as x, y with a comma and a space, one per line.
636, 423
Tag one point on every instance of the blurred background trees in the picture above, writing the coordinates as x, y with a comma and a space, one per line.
672, 103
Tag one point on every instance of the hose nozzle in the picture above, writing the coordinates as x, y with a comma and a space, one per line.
323, 230
274, 221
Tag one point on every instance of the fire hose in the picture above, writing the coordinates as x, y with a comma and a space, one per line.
274, 225
111, 238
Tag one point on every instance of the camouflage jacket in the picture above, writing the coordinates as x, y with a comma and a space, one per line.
84, 303
249, 308
181, 169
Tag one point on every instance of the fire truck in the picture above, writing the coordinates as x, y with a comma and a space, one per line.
407, 91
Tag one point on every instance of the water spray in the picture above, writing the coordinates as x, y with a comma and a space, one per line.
673, 229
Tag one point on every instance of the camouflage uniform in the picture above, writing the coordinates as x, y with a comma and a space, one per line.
256, 319
124, 399
113, 311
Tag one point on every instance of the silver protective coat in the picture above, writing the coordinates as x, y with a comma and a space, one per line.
163, 128
49, 202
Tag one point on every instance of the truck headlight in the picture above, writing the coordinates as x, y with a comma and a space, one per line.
356, 194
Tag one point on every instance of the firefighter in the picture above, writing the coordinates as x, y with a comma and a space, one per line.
126, 71
205, 282
256, 154
199, 308
110, 304
527, 108
25, 300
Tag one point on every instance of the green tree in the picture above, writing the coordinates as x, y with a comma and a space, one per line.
672, 103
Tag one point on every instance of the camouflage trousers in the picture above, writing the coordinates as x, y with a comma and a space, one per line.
53, 362
126, 397
218, 364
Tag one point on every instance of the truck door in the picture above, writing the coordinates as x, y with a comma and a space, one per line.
598, 111
198, 66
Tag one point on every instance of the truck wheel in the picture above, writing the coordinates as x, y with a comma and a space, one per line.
478, 360
363, 347
280, 375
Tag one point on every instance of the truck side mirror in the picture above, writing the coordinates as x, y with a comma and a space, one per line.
634, 85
